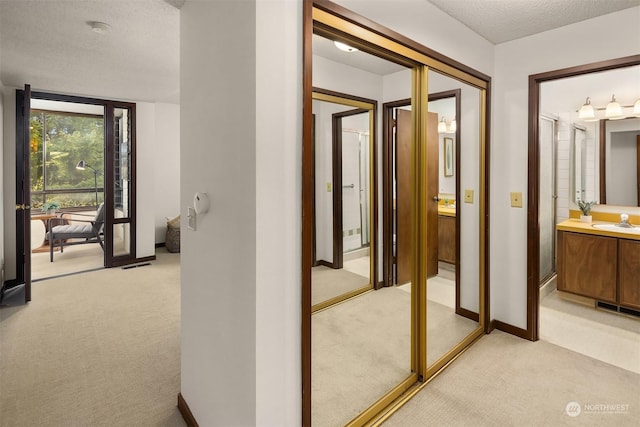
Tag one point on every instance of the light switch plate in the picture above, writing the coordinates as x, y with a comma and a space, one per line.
468, 196
191, 216
328, 187
516, 199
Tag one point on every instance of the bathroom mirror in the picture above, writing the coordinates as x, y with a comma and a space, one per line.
598, 156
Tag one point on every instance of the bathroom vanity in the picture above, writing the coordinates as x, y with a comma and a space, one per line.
600, 262
447, 234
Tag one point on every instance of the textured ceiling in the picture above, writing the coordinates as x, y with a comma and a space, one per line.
500, 21
49, 45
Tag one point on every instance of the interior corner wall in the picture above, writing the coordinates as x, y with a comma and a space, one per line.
166, 159
218, 258
278, 212
572, 45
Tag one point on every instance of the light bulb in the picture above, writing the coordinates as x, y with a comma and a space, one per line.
586, 111
614, 109
442, 126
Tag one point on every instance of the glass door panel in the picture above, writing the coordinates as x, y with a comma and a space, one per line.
121, 197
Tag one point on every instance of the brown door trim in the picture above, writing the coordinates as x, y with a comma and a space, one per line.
308, 206
533, 230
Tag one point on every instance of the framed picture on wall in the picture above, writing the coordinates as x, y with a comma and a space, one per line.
448, 157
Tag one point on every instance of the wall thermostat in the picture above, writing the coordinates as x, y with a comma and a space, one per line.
201, 203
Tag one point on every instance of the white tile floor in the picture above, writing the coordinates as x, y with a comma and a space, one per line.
609, 337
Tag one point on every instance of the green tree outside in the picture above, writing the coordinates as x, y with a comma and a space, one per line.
58, 142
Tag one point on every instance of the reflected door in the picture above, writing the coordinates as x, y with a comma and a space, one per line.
403, 196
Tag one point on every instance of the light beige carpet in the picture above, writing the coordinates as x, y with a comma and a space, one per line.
94, 349
74, 259
327, 283
503, 380
362, 349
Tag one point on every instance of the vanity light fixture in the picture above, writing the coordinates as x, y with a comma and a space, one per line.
344, 47
587, 111
614, 109
442, 125
636, 108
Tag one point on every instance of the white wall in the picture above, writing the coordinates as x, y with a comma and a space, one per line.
278, 212
576, 44
145, 216
240, 269
166, 177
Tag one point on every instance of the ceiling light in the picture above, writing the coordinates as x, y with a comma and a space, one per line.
586, 111
614, 109
344, 47
442, 126
99, 27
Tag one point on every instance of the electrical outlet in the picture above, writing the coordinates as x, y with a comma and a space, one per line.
516, 199
468, 196
328, 187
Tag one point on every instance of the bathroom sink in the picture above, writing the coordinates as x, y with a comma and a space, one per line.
615, 227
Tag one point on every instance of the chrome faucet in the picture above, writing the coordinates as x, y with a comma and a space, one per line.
624, 221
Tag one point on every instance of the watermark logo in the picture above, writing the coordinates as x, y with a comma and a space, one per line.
573, 409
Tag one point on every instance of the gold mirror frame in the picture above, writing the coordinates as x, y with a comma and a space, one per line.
333, 21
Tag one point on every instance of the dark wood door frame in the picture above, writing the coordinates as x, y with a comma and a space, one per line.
21, 285
533, 229
22, 175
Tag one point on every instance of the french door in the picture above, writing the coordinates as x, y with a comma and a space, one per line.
119, 194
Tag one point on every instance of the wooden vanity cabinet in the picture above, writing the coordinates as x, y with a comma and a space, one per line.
600, 267
587, 265
629, 272
447, 239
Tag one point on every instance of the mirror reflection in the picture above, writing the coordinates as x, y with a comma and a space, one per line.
361, 338
597, 155
342, 217
453, 281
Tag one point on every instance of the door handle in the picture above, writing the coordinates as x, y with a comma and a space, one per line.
436, 198
22, 207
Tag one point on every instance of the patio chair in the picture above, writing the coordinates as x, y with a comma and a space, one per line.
88, 231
